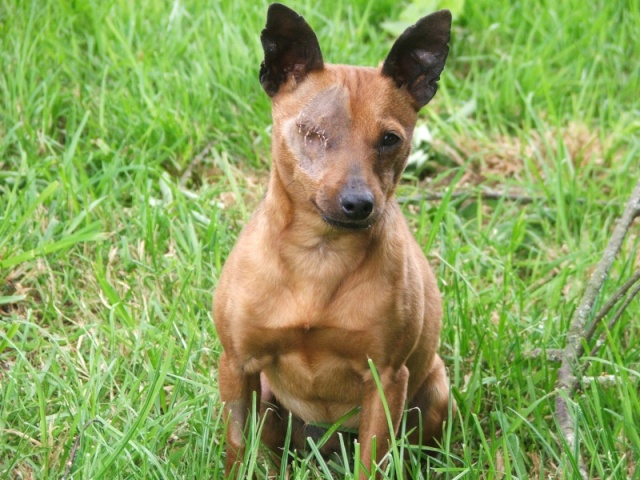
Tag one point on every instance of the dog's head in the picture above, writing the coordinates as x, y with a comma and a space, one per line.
342, 134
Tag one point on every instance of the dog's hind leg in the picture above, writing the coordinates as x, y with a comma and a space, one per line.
276, 423
429, 407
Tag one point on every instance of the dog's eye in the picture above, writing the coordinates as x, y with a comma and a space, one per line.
389, 140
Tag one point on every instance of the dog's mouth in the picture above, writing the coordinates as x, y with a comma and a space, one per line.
346, 224
350, 225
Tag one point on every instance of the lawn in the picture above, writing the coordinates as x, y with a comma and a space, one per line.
134, 144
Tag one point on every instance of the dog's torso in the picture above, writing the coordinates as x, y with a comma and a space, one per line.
309, 317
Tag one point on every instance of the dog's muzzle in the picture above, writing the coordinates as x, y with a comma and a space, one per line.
355, 208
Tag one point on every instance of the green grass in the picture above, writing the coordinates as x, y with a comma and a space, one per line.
134, 143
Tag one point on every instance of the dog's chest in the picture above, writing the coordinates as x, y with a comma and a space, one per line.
317, 385
313, 347
313, 326
317, 372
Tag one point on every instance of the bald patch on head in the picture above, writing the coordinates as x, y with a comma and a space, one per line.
326, 115
321, 126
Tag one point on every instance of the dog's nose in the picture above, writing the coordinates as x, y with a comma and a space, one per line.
357, 205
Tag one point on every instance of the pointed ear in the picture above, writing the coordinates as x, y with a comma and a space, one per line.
417, 58
291, 49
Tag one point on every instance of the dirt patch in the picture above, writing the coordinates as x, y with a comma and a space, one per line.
492, 159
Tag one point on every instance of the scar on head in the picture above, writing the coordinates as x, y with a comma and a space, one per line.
310, 129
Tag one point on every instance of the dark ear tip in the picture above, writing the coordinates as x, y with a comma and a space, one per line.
278, 9
443, 14
440, 19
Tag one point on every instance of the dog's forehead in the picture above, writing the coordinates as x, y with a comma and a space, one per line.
353, 95
328, 106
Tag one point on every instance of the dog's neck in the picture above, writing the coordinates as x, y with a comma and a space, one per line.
300, 231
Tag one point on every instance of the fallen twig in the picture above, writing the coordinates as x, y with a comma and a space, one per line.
606, 381
184, 178
614, 320
549, 354
615, 298
74, 449
567, 380
484, 194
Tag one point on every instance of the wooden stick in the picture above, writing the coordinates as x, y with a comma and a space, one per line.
614, 320
74, 449
615, 298
197, 160
484, 194
567, 380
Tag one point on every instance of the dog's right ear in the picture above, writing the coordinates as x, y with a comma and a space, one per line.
291, 49
417, 58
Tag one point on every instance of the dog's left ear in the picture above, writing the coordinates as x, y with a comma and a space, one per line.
291, 49
417, 58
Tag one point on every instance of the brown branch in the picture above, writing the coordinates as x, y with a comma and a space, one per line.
614, 320
74, 449
555, 354
615, 298
549, 354
484, 194
567, 381
197, 160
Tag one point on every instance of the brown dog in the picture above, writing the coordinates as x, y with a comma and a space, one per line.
327, 275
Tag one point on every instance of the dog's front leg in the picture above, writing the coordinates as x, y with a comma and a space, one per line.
373, 419
236, 391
